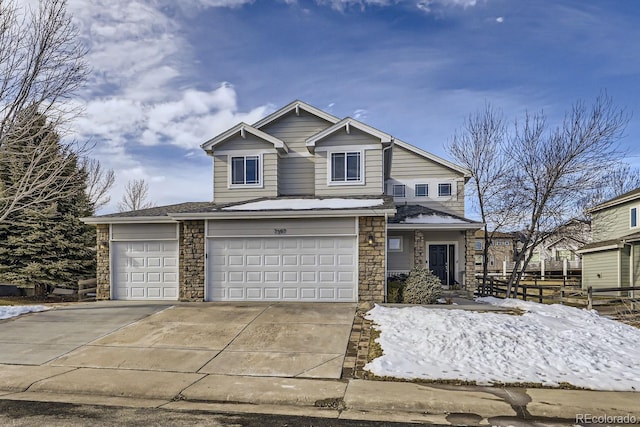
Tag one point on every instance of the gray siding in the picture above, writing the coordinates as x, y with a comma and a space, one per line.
401, 260
296, 176
613, 223
224, 194
144, 231
282, 227
625, 266
603, 263
296, 173
636, 266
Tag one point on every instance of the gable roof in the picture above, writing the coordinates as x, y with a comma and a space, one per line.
296, 106
623, 198
418, 216
347, 124
242, 129
466, 173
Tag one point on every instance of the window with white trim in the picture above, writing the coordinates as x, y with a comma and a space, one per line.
346, 167
245, 170
394, 244
422, 190
444, 190
478, 245
399, 190
633, 217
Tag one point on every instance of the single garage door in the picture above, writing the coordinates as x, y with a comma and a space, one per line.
145, 270
282, 268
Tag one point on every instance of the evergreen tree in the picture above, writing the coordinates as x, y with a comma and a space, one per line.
45, 245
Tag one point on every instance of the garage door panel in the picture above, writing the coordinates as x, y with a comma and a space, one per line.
282, 268
145, 270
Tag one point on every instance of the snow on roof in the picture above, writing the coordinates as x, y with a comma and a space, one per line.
303, 204
433, 219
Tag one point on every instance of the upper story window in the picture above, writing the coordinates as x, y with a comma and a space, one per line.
399, 191
444, 190
245, 170
422, 190
478, 245
346, 167
633, 220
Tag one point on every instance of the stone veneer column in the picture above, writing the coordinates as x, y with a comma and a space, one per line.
419, 258
372, 259
192, 261
469, 258
103, 291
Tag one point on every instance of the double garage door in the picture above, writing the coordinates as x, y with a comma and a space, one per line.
256, 260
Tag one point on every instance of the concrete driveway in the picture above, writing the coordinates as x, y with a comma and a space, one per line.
248, 339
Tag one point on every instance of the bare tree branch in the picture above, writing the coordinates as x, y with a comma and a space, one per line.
99, 182
135, 196
41, 66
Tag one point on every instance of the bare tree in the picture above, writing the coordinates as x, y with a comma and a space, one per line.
480, 147
557, 168
41, 66
99, 182
135, 196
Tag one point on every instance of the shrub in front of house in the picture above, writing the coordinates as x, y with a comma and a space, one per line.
394, 291
422, 287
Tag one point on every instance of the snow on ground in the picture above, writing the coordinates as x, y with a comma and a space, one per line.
302, 204
548, 344
7, 311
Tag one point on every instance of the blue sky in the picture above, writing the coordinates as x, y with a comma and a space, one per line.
169, 75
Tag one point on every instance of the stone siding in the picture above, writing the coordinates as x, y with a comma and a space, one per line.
419, 256
372, 259
469, 258
103, 291
192, 261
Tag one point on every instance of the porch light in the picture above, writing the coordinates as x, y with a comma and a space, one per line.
370, 240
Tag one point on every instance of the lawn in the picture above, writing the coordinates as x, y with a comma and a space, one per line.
547, 345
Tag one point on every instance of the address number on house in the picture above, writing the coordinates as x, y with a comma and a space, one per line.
279, 231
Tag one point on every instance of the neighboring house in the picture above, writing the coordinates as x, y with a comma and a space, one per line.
502, 248
303, 209
612, 259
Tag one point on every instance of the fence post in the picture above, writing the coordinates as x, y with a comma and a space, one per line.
562, 293
590, 298
540, 295
504, 269
524, 293
565, 267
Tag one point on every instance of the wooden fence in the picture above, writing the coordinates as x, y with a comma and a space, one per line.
87, 289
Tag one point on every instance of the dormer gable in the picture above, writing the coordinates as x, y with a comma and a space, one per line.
242, 130
295, 106
347, 124
439, 160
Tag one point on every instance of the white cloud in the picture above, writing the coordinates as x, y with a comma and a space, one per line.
500, 19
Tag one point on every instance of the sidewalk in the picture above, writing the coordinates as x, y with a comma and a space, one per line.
352, 399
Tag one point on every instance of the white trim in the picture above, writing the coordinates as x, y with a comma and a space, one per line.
259, 184
357, 220
637, 217
206, 263
111, 287
127, 219
400, 237
241, 128
353, 147
244, 152
610, 247
440, 227
359, 182
277, 236
146, 239
347, 123
385, 258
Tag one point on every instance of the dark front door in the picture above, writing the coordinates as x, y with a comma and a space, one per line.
441, 262
438, 261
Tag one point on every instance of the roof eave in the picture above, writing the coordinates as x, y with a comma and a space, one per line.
242, 128
239, 214
440, 226
384, 137
297, 104
94, 220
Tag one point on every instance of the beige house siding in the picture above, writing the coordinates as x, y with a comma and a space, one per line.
282, 227
144, 231
409, 169
600, 269
614, 222
223, 194
625, 266
296, 169
250, 142
372, 175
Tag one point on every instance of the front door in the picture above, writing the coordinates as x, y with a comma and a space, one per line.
441, 262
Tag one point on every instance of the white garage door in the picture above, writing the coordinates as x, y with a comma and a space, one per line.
282, 269
145, 270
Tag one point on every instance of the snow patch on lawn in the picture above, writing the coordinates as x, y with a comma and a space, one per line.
7, 311
302, 204
548, 344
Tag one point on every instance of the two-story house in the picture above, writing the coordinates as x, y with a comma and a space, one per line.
305, 207
613, 257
